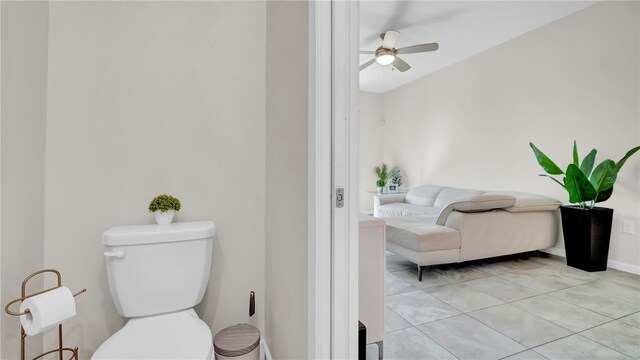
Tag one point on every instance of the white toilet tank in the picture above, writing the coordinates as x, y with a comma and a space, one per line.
154, 269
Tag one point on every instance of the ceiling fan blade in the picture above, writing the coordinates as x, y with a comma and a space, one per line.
390, 39
367, 64
367, 52
418, 48
400, 64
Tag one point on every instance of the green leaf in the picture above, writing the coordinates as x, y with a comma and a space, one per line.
554, 179
382, 172
604, 176
576, 160
627, 155
549, 166
164, 203
578, 186
587, 163
605, 195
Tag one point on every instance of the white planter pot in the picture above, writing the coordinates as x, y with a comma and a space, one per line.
380, 190
164, 218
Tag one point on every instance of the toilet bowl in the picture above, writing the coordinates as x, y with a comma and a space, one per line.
179, 335
157, 274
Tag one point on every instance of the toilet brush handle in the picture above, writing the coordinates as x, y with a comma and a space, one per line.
118, 254
252, 303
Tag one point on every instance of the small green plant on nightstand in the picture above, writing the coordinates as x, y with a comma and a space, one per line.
396, 176
164, 208
383, 175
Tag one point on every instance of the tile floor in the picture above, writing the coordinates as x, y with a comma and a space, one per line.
529, 308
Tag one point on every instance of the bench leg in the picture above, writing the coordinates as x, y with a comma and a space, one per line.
420, 270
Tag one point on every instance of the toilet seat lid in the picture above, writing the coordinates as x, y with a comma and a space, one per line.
178, 335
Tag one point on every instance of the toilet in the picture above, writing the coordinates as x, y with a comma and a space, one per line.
157, 274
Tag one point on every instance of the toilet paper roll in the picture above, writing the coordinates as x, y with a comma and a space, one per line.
47, 310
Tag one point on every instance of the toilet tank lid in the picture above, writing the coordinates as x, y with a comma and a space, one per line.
152, 233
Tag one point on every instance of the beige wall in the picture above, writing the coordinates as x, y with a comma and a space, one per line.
286, 179
24, 84
371, 145
139, 104
469, 124
148, 98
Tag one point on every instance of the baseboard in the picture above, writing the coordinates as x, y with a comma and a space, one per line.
265, 350
618, 265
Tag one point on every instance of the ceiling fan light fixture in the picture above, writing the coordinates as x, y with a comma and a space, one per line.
385, 59
385, 56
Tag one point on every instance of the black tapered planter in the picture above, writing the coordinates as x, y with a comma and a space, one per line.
587, 233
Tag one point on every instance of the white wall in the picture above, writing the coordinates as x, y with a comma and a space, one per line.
148, 98
371, 145
286, 179
469, 124
24, 84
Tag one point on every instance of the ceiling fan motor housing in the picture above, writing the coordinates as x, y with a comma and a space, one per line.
382, 51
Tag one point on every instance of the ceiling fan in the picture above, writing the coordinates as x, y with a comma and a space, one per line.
388, 54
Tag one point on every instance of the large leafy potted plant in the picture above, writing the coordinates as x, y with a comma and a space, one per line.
586, 228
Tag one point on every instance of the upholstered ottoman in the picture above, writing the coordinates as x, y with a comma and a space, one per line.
421, 242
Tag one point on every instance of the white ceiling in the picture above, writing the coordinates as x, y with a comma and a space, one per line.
462, 28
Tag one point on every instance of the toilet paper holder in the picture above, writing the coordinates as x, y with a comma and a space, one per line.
60, 350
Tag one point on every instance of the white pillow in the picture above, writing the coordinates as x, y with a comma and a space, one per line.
424, 195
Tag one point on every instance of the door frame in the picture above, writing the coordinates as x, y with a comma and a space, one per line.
319, 181
333, 163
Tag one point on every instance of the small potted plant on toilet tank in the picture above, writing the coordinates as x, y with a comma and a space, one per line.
164, 207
